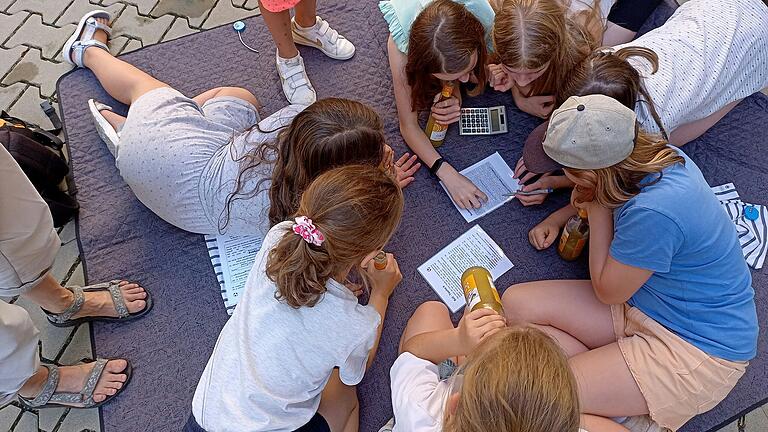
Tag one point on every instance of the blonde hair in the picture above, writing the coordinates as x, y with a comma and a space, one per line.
357, 209
528, 34
613, 186
518, 380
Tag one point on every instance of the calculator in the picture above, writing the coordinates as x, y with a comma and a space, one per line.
483, 121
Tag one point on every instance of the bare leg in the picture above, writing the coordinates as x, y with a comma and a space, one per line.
121, 80
50, 295
606, 386
580, 321
279, 25
114, 119
430, 316
306, 11
616, 34
339, 406
72, 379
592, 423
237, 92
690, 131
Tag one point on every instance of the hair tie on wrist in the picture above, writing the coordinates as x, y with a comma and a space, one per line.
308, 231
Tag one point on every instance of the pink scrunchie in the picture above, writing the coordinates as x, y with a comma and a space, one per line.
308, 231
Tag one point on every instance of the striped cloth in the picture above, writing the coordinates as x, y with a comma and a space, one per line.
752, 233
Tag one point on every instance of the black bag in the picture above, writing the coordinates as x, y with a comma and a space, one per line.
39, 154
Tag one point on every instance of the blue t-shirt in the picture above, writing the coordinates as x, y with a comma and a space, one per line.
400, 15
701, 288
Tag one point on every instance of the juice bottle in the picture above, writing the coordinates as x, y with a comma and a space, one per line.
479, 290
574, 237
380, 261
436, 131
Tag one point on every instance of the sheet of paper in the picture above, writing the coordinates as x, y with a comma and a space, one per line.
496, 179
473, 248
232, 258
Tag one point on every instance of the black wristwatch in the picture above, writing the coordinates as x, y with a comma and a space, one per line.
436, 166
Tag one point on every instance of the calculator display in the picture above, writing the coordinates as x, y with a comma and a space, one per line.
494, 120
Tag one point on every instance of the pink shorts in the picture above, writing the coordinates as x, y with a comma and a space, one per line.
278, 5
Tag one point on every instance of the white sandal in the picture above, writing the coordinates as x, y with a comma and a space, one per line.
108, 134
82, 38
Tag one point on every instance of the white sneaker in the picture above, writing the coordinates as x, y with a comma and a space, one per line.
324, 38
296, 85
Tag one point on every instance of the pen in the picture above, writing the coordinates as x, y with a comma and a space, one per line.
533, 192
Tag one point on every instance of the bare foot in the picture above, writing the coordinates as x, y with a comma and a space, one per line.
100, 303
72, 379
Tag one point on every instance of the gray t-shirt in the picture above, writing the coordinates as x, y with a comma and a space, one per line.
271, 361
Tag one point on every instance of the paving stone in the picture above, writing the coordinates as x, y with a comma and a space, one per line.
225, 13
81, 7
65, 260
145, 29
27, 108
79, 420
48, 418
8, 416
132, 45
144, 6
179, 28
79, 348
9, 24
77, 277
252, 4
196, 11
33, 69
51, 338
9, 94
9, 57
757, 421
68, 232
34, 33
117, 44
49, 9
5, 3
28, 423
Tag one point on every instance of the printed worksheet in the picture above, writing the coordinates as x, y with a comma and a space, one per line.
473, 248
496, 179
232, 258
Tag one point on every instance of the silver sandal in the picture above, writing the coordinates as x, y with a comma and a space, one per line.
82, 38
48, 397
64, 319
108, 134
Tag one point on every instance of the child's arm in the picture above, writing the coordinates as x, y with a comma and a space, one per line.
383, 283
539, 106
461, 189
439, 345
545, 233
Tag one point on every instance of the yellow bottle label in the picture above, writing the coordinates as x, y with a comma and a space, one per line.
438, 132
473, 298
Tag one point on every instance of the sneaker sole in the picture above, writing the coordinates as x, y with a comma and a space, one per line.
301, 40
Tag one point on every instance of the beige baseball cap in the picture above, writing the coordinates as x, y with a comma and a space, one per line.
585, 132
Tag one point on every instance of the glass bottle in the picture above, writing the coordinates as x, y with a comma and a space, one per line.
380, 261
436, 131
574, 237
479, 290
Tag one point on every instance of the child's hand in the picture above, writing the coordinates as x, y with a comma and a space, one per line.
447, 111
539, 106
544, 234
405, 168
498, 78
383, 282
463, 192
477, 325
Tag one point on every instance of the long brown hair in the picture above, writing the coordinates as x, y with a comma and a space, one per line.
356, 208
610, 74
517, 380
443, 38
528, 34
329, 133
613, 186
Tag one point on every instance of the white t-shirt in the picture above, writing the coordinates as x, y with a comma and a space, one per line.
271, 361
711, 53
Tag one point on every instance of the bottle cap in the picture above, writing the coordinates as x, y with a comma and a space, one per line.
751, 212
380, 261
582, 213
239, 26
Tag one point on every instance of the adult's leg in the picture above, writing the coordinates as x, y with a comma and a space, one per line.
567, 310
306, 11
339, 406
606, 386
690, 131
430, 316
18, 350
279, 25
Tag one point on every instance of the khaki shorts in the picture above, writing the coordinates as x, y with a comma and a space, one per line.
677, 379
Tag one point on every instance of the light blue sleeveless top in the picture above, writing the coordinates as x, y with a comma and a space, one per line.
400, 15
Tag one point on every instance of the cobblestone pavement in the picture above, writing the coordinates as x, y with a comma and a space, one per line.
32, 33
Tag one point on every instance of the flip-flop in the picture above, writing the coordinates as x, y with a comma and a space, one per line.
48, 397
108, 134
64, 319
82, 38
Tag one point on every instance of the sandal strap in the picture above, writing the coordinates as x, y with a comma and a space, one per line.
74, 308
49, 388
92, 26
85, 397
79, 47
118, 299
